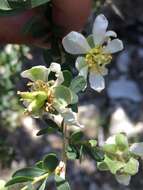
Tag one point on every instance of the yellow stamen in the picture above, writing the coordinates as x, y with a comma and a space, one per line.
97, 59
36, 87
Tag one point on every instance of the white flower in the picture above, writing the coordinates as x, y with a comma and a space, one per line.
48, 95
97, 53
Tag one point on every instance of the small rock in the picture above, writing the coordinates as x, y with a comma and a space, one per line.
93, 186
106, 187
120, 122
123, 61
124, 89
88, 116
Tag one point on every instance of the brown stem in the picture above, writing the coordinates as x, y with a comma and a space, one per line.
65, 144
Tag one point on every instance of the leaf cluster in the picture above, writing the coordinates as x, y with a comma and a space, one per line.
36, 177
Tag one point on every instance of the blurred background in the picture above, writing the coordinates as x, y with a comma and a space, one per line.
119, 108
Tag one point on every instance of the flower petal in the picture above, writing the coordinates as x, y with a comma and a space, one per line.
56, 67
82, 67
84, 72
114, 46
80, 63
75, 43
96, 81
99, 29
62, 97
111, 33
36, 73
137, 149
111, 140
131, 167
60, 78
123, 179
70, 117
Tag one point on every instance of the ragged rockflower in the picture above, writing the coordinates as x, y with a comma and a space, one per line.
119, 159
47, 94
97, 48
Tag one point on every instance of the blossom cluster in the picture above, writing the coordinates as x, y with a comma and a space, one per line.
121, 158
49, 94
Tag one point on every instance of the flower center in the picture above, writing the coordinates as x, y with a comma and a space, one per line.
47, 88
97, 59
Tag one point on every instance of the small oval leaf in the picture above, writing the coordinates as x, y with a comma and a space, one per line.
50, 162
61, 183
18, 180
78, 84
28, 172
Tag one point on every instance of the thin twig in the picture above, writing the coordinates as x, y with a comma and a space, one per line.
36, 180
65, 144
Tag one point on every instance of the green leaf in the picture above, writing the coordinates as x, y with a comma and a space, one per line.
72, 153
61, 183
38, 2
4, 4
39, 165
95, 153
74, 107
50, 162
81, 153
74, 98
78, 84
43, 186
102, 166
93, 142
77, 136
63, 95
121, 141
28, 172
51, 128
47, 130
18, 180
131, 167
20, 4
52, 124
67, 78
